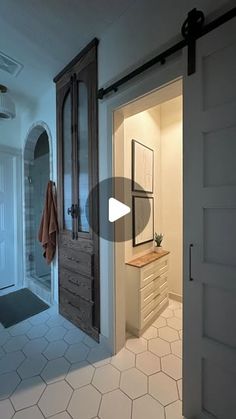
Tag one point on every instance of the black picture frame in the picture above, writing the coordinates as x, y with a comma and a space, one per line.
134, 217
136, 182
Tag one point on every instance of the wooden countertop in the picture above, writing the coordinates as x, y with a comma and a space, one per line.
146, 259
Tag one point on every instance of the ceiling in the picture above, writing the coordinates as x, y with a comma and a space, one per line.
44, 35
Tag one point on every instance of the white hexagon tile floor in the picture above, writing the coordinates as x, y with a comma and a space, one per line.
50, 369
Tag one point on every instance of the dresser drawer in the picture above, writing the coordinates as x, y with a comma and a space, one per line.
161, 266
163, 301
152, 271
163, 288
148, 293
147, 275
163, 278
149, 311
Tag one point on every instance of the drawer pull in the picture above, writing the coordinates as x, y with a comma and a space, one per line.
149, 315
148, 277
147, 298
163, 267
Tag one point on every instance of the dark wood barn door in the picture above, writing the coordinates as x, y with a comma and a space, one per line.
77, 175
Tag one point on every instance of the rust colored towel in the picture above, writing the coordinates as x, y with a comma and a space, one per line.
48, 229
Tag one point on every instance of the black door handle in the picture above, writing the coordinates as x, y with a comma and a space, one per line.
190, 262
69, 210
73, 211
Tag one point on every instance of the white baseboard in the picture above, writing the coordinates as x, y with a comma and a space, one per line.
176, 297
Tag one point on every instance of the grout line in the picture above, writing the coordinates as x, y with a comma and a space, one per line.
70, 396
40, 410
100, 403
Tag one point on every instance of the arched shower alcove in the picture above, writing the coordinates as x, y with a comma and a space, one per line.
37, 173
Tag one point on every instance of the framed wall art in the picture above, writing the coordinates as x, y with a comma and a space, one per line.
143, 220
142, 167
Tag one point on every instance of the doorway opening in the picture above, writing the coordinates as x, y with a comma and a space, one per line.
37, 173
149, 284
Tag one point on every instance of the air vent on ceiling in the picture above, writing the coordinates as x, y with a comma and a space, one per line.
9, 65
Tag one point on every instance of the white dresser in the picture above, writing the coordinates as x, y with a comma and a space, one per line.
146, 290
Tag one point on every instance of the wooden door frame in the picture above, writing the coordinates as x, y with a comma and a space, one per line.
18, 212
112, 277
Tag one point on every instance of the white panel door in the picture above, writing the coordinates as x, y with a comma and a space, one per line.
7, 221
210, 225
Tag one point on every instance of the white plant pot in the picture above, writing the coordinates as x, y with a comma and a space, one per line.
158, 249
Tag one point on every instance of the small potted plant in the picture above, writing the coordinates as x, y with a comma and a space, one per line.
158, 239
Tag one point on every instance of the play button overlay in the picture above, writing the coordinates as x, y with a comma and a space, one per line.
117, 210
120, 209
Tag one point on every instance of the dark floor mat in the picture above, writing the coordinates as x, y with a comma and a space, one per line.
18, 306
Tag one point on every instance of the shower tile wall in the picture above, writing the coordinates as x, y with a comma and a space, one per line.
29, 213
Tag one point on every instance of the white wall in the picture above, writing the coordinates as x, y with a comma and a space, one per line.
145, 128
45, 111
146, 27
172, 189
13, 133
10, 132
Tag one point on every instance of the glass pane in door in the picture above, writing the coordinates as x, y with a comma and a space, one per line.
67, 161
83, 157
